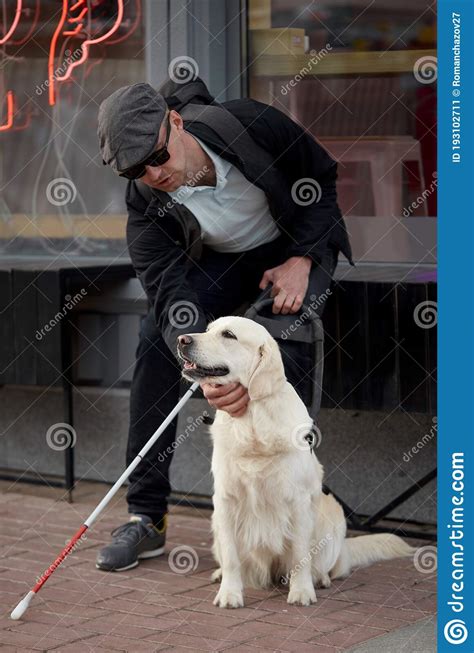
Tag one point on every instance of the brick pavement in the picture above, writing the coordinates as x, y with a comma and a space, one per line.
155, 607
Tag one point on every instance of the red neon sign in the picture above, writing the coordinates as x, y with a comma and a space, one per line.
74, 23
14, 25
26, 11
10, 111
71, 24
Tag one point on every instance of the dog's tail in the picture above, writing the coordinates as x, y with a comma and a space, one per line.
366, 549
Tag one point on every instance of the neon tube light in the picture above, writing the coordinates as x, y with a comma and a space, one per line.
10, 111
80, 19
14, 25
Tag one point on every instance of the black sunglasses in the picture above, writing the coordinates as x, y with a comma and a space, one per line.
156, 158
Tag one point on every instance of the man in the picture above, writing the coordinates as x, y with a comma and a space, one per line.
217, 210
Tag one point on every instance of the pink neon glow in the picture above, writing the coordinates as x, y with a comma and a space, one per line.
52, 51
87, 42
136, 22
78, 4
77, 19
27, 121
92, 64
14, 25
10, 110
34, 22
73, 32
53, 79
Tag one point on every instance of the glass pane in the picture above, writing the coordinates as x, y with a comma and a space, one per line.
60, 60
361, 79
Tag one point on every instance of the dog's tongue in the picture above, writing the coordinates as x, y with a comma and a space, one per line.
188, 365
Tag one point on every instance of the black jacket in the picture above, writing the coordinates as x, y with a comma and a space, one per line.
163, 235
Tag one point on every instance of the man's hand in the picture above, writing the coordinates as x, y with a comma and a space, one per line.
231, 397
290, 283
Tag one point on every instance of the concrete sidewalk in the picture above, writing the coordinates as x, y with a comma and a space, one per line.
419, 637
165, 604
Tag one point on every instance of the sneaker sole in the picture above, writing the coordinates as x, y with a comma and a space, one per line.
142, 556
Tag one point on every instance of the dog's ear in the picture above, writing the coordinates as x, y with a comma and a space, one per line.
267, 372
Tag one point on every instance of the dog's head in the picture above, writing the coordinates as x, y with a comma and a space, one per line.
233, 349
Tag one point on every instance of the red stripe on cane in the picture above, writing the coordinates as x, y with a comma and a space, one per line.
65, 552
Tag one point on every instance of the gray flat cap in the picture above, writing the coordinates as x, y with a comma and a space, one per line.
128, 125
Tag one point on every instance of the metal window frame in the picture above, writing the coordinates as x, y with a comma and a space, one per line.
212, 32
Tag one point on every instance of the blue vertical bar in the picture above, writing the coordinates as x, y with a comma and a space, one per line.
456, 325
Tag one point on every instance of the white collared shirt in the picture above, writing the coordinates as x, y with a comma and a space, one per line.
233, 215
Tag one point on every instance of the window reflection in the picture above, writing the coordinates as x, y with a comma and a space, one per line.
59, 61
361, 78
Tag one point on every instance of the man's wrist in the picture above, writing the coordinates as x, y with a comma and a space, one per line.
304, 261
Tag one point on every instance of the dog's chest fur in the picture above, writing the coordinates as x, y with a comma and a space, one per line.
260, 504
260, 474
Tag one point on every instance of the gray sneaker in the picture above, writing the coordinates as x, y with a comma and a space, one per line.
133, 541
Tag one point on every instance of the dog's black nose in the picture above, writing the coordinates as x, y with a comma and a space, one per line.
185, 340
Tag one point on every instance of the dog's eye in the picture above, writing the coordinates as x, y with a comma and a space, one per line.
228, 334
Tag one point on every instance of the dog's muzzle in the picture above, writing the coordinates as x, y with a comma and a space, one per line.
190, 367
185, 343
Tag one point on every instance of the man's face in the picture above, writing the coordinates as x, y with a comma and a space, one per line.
172, 174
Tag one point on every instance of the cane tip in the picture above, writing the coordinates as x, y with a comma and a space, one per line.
22, 607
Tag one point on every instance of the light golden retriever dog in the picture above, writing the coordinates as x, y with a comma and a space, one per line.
271, 520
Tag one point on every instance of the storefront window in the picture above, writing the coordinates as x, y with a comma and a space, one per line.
361, 78
59, 61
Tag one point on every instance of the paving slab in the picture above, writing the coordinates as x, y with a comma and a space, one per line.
154, 607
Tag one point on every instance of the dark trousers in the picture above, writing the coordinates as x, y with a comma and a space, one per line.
223, 282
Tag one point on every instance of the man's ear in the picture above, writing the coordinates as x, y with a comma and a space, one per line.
268, 371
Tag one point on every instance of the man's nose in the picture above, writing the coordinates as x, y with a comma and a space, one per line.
154, 173
185, 340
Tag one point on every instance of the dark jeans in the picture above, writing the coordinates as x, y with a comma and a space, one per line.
223, 283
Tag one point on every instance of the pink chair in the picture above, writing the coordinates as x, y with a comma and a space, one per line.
328, 107
385, 156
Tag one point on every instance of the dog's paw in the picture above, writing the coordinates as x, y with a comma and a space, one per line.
323, 582
227, 598
302, 596
216, 575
